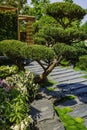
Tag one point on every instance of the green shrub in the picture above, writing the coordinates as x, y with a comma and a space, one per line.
16, 93
8, 25
24, 81
82, 64
13, 50
6, 71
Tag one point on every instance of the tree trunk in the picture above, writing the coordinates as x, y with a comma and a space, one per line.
20, 64
42, 77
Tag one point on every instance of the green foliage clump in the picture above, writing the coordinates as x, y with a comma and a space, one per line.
69, 122
16, 93
43, 31
24, 81
8, 25
63, 50
18, 51
7, 71
61, 10
82, 64
64, 62
50, 88
60, 25
39, 52
79, 50
13, 50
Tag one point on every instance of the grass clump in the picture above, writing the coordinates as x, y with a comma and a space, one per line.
50, 88
69, 97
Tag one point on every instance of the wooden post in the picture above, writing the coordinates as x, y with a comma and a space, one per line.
18, 30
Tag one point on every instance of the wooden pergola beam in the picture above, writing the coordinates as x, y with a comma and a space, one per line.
25, 17
4, 8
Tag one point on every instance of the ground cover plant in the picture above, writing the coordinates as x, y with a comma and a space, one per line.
69, 122
16, 93
7, 71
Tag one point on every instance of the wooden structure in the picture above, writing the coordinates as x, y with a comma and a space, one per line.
29, 21
29, 30
6, 8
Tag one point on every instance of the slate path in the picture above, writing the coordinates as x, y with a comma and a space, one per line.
67, 82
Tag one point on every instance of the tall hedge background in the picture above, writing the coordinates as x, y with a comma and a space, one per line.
8, 25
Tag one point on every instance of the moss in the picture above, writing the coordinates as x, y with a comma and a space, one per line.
50, 88
69, 122
79, 120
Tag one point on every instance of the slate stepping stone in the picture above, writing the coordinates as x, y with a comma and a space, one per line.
79, 111
61, 72
54, 124
74, 86
66, 74
71, 77
80, 90
42, 110
83, 97
72, 81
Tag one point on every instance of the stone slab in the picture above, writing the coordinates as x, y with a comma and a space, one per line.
54, 124
80, 90
77, 86
59, 69
42, 110
85, 119
83, 97
80, 111
72, 81
73, 87
71, 77
66, 74
61, 72
71, 103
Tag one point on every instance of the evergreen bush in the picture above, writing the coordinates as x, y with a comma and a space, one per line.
8, 25
82, 64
